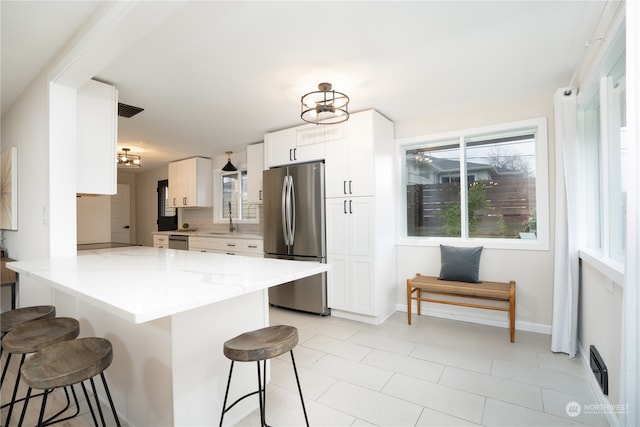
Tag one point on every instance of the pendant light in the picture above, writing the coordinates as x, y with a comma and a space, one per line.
229, 166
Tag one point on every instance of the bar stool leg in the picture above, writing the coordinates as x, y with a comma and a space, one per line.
226, 394
295, 370
15, 390
113, 407
4, 370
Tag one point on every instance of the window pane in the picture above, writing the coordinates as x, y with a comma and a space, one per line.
249, 211
616, 121
590, 126
230, 195
433, 190
501, 195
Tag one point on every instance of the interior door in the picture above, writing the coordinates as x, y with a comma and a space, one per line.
121, 215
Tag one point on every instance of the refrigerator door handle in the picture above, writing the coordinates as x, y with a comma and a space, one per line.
285, 226
292, 211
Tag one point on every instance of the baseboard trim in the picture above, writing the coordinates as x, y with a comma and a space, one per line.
438, 311
372, 320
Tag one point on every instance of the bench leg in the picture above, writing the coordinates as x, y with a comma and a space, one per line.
409, 302
512, 315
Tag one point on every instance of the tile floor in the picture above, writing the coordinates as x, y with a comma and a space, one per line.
436, 372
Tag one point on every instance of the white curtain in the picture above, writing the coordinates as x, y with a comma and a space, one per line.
564, 326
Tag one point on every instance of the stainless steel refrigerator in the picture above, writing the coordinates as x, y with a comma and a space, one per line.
294, 228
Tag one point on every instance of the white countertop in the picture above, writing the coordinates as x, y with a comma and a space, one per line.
212, 234
140, 283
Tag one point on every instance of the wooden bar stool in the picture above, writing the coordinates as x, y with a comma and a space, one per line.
256, 346
65, 364
32, 336
12, 318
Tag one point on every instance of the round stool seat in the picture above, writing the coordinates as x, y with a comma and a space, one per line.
67, 363
11, 319
261, 344
35, 335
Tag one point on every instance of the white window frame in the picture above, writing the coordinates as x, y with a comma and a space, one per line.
600, 258
218, 207
542, 188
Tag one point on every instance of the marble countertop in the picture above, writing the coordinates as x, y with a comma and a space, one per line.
140, 284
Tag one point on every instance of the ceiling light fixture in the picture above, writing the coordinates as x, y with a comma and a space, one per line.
325, 106
229, 166
126, 160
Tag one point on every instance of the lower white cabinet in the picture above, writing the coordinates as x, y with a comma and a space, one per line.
227, 245
160, 241
351, 254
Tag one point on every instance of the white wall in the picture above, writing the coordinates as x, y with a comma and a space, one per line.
93, 219
600, 322
25, 126
532, 270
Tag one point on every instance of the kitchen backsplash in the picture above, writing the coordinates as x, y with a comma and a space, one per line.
202, 219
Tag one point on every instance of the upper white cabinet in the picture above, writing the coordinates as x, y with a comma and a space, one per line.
295, 145
255, 166
351, 161
190, 182
96, 143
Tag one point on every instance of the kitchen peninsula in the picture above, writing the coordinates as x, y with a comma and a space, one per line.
167, 313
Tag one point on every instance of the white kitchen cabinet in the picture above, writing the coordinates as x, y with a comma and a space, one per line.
351, 162
295, 145
255, 166
160, 241
227, 245
96, 138
190, 183
360, 216
351, 253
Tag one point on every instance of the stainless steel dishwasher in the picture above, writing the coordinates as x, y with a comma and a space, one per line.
178, 241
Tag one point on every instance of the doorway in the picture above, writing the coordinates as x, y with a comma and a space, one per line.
121, 215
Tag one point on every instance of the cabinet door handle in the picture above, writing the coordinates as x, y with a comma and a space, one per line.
344, 203
350, 188
290, 154
344, 187
260, 195
230, 253
174, 201
184, 201
295, 154
231, 245
350, 211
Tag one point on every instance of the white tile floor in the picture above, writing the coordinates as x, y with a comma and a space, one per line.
435, 372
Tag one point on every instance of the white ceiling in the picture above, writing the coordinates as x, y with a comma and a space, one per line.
218, 75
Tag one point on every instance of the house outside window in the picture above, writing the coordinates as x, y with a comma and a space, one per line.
477, 184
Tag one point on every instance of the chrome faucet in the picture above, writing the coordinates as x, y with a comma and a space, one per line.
231, 227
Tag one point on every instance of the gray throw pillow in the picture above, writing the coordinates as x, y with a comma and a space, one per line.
460, 264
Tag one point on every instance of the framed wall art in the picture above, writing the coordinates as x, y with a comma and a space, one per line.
9, 182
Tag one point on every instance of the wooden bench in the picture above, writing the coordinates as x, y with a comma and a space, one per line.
493, 291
